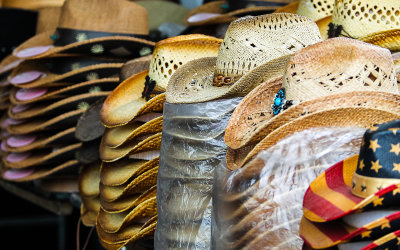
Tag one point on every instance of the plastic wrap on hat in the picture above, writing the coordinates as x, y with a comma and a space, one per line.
259, 206
192, 147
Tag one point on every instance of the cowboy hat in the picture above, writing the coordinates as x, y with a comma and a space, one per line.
374, 163
120, 31
248, 56
250, 123
314, 10
169, 55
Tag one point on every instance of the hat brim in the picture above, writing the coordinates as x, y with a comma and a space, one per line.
114, 222
37, 172
9, 63
89, 180
42, 156
140, 184
107, 154
129, 202
386, 242
193, 81
389, 39
132, 44
100, 70
64, 120
357, 116
329, 196
64, 136
64, 105
328, 234
117, 136
120, 172
257, 108
89, 126
126, 102
88, 217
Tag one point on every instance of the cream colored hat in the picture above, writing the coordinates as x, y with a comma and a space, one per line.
315, 9
130, 96
254, 49
359, 18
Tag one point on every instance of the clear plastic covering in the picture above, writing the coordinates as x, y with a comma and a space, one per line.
260, 205
192, 147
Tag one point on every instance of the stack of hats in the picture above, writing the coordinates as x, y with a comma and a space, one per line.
357, 199
338, 82
63, 73
259, 206
201, 96
89, 180
130, 145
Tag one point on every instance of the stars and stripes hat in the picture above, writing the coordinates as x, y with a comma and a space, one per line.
366, 181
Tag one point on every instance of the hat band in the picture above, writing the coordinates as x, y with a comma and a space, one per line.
151, 89
64, 36
364, 186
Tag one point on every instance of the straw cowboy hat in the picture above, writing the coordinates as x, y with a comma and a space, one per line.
255, 49
305, 90
46, 21
120, 31
30, 74
217, 12
89, 180
366, 181
131, 97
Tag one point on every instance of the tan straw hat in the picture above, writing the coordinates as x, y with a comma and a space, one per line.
217, 12
30, 74
127, 101
361, 18
89, 180
313, 9
84, 27
254, 50
363, 117
315, 79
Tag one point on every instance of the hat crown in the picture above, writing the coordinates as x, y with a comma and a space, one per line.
170, 54
117, 16
338, 65
47, 19
251, 41
379, 159
360, 18
315, 9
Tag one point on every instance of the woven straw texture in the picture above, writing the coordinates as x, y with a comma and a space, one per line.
313, 73
340, 117
360, 18
315, 9
171, 53
389, 39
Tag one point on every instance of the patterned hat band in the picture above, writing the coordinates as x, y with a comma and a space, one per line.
364, 186
64, 36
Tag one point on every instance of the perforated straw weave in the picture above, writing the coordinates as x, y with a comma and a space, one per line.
360, 18
315, 9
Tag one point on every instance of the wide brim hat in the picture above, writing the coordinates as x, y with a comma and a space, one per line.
125, 103
64, 105
114, 222
116, 137
256, 107
128, 235
329, 196
138, 185
389, 241
27, 142
38, 172
88, 216
149, 142
120, 172
215, 13
89, 180
8, 64
128, 203
41, 156
328, 234
364, 117
23, 126
193, 82
30, 74
32, 95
